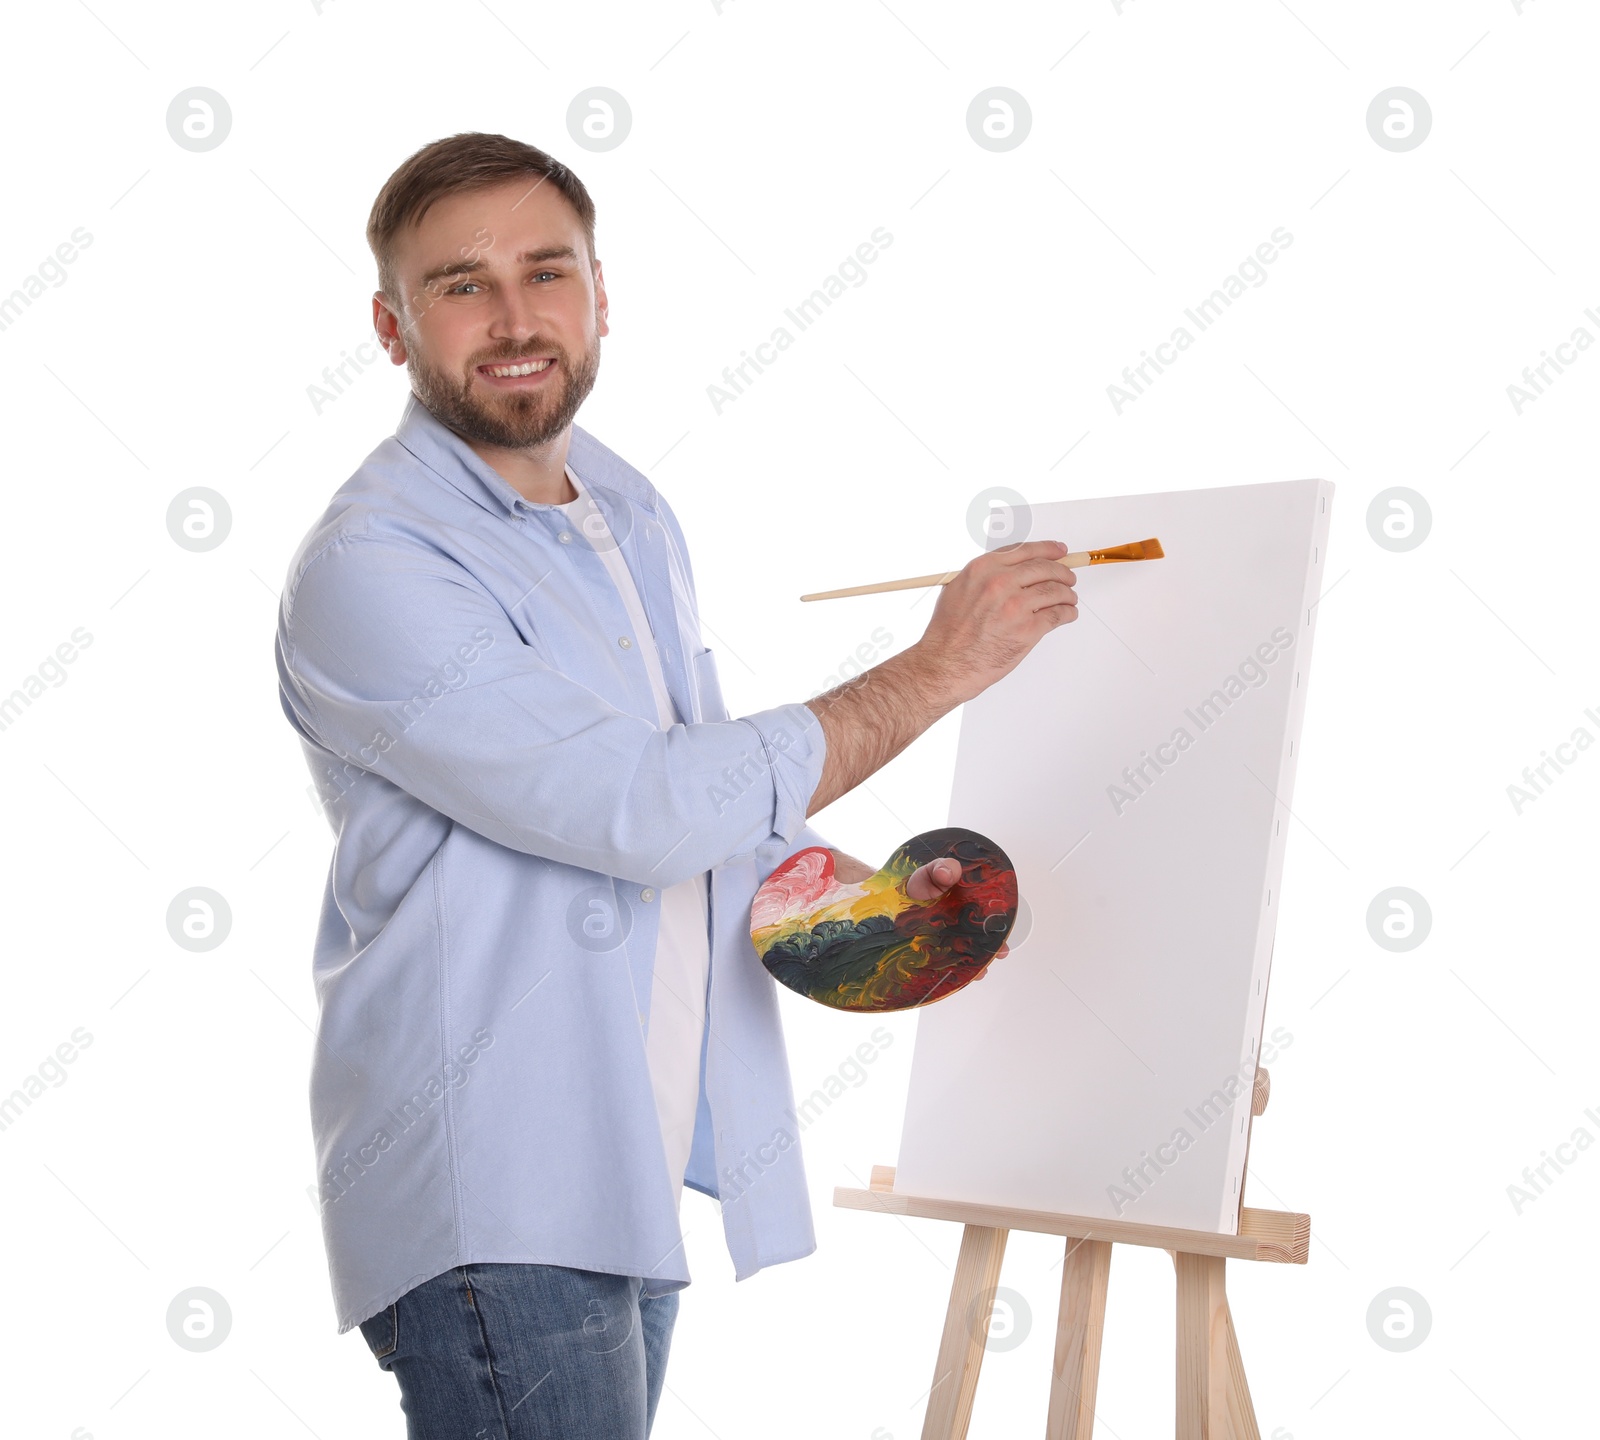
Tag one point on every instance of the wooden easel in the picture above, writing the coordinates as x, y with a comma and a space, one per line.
1213, 1398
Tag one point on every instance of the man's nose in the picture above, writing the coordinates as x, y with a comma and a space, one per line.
517, 315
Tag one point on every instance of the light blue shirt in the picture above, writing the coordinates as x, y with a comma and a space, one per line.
480, 726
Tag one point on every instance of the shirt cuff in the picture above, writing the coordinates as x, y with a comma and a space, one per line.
795, 747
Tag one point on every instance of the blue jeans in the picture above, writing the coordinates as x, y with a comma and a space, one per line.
514, 1352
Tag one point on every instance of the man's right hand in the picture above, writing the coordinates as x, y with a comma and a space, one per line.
992, 614
995, 611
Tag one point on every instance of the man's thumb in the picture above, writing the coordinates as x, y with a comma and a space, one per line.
932, 882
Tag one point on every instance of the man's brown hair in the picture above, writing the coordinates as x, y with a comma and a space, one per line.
470, 161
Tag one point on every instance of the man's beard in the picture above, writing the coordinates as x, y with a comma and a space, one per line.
509, 419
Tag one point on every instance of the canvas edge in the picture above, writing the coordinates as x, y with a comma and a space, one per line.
1283, 787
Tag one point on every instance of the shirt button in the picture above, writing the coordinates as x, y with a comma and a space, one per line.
623, 641
565, 538
647, 894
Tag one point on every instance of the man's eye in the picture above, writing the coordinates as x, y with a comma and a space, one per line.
462, 287
542, 273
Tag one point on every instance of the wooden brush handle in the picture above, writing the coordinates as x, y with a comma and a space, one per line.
918, 582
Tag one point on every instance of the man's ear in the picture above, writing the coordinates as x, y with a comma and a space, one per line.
387, 324
601, 305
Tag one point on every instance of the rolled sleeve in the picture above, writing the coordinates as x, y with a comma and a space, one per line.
397, 661
795, 747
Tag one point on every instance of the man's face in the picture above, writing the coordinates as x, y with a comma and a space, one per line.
491, 281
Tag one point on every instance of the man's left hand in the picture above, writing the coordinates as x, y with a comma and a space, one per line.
930, 881
926, 882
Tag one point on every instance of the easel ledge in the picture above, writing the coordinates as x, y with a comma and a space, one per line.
1213, 1398
1275, 1235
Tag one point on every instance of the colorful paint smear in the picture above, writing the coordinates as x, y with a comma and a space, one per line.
869, 946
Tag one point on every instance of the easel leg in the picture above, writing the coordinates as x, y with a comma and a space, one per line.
1085, 1272
1241, 1409
1240, 1412
1202, 1348
966, 1331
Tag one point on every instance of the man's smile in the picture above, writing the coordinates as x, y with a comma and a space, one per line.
517, 375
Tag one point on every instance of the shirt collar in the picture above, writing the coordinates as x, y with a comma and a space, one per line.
449, 456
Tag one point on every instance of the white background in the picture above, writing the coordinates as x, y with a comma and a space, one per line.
767, 141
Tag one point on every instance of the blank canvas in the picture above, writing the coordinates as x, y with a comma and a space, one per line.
1137, 767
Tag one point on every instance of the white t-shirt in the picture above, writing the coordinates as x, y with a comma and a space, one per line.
683, 956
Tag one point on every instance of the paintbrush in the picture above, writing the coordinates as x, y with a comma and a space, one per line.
1112, 554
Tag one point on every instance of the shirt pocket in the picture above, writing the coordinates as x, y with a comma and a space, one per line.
707, 688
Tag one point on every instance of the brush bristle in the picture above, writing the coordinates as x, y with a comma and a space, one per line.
1133, 550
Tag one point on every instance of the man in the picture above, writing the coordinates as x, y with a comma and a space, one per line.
541, 1014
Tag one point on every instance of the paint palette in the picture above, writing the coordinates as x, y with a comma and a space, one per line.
869, 946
